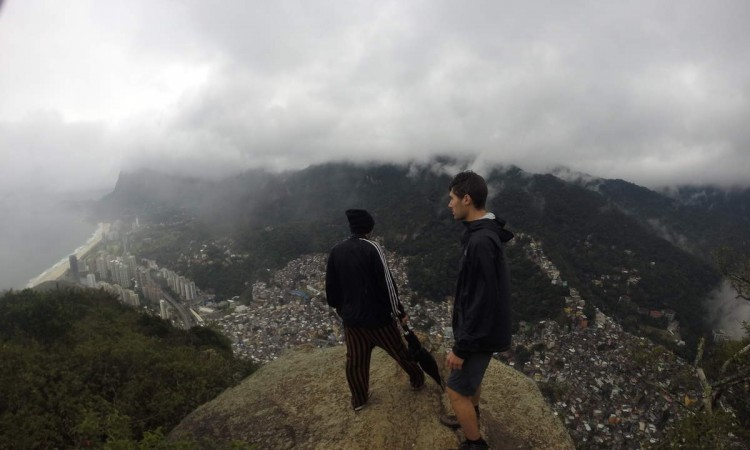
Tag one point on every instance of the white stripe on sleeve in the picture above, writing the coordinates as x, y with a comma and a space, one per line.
388, 278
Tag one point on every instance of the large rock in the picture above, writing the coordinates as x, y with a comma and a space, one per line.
301, 401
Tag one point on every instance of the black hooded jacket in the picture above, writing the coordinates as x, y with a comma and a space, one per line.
481, 310
359, 284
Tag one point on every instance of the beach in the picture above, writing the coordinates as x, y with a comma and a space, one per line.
58, 270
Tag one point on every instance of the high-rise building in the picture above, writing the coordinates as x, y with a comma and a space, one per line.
141, 276
181, 282
91, 280
131, 298
172, 280
152, 292
192, 291
123, 274
73, 259
132, 265
163, 307
120, 292
111, 264
101, 268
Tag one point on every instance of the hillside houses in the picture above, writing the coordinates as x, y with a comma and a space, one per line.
291, 310
618, 388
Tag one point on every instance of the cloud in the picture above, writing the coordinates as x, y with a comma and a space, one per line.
42, 152
727, 312
643, 91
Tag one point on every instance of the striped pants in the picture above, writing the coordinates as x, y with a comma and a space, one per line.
359, 344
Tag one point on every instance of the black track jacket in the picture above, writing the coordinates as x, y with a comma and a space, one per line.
360, 285
481, 310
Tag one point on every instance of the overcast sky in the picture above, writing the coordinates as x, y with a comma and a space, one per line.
655, 92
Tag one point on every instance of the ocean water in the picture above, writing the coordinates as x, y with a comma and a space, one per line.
38, 230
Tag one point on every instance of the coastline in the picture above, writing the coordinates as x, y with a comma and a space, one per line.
58, 269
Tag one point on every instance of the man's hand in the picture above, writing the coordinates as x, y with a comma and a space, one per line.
405, 319
453, 362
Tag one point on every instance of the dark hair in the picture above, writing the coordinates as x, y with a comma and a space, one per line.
468, 182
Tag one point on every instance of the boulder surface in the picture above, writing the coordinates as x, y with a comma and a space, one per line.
301, 401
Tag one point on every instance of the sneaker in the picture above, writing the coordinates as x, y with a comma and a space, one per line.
466, 445
362, 406
450, 421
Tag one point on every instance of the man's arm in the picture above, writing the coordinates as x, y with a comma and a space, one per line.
400, 313
383, 274
482, 258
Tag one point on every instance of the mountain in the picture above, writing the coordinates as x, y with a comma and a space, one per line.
301, 401
699, 219
611, 240
606, 254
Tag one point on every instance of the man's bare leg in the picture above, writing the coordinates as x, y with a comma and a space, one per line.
475, 397
464, 408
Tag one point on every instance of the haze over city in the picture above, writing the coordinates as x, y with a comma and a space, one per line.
649, 91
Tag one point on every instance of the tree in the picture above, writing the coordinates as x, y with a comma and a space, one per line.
700, 431
726, 378
735, 266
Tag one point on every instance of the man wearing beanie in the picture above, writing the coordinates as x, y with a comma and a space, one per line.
360, 287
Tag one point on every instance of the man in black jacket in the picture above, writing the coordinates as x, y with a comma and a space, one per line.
481, 308
360, 287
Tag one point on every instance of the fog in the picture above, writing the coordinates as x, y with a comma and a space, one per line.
648, 91
727, 312
38, 230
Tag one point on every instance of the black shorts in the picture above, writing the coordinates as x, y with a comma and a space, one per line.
467, 380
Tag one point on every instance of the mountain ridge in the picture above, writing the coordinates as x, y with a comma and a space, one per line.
588, 231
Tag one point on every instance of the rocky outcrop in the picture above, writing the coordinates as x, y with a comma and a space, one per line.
301, 401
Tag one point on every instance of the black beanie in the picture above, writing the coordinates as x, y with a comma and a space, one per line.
360, 221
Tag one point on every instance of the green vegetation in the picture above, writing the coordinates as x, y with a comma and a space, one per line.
724, 373
728, 366
80, 370
702, 431
699, 219
727, 382
533, 297
648, 355
554, 391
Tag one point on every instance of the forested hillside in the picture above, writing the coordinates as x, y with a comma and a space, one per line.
587, 237
80, 370
699, 219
